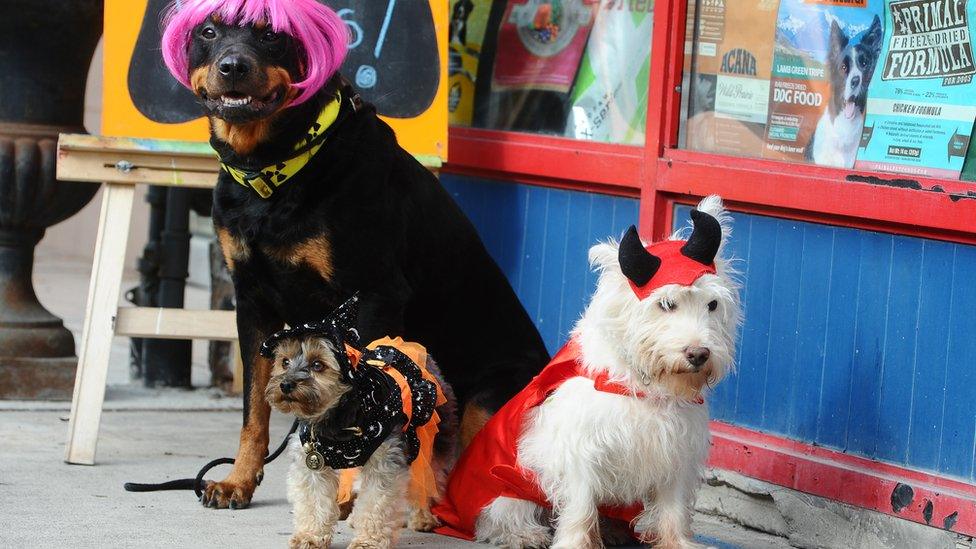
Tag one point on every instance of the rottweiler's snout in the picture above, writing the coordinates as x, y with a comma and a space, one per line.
234, 66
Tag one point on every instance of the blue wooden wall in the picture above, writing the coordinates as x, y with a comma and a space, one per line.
540, 237
859, 341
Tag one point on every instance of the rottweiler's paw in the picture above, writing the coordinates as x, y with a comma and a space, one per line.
227, 495
309, 540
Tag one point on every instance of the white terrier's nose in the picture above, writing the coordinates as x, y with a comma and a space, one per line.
697, 355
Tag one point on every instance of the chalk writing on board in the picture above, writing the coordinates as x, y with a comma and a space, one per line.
393, 57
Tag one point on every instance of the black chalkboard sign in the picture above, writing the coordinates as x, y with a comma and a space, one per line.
393, 60
154, 91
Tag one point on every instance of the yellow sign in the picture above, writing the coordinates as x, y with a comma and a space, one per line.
397, 60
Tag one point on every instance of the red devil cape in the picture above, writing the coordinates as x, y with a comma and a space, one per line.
488, 468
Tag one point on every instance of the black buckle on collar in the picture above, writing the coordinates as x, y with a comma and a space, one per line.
251, 175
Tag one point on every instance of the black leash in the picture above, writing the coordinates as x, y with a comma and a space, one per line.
197, 484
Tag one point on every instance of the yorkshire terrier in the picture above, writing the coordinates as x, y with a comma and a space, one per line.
383, 410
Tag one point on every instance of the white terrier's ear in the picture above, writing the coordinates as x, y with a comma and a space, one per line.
603, 256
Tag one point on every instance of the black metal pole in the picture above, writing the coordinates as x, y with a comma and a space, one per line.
168, 362
146, 294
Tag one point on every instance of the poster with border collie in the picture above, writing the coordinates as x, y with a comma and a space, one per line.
809, 78
849, 68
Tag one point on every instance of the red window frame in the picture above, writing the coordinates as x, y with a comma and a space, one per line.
662, 175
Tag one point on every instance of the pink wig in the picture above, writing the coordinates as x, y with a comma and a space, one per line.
320, 33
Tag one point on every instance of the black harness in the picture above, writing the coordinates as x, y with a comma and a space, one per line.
373, 408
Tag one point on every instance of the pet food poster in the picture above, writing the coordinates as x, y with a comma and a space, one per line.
541, 43
823, 61
733, 64
469, 23
921, 105
609, 98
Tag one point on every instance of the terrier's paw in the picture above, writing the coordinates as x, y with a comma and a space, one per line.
422, 520
530, 538
576, 543
678, 543
227, 494
309, 540
615, 532
370, 543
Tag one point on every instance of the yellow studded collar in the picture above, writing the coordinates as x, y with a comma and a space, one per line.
266, 180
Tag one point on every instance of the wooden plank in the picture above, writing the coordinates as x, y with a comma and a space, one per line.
159, 323
132, 162
146, 161
96, 336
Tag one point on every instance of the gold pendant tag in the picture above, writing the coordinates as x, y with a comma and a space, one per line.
314, 460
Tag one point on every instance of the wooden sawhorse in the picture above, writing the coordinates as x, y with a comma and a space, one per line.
122, 163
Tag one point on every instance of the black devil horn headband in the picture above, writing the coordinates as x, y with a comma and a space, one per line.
705, 238
640, 264
338, 326
637, 264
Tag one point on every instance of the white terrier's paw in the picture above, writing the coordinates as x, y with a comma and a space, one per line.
577, 543
309, 540
537, 537
422, 520
681, 543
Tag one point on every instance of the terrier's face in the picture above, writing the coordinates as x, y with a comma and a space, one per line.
678, 338
682, 336
306, 379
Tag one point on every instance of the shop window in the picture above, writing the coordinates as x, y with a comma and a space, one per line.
869, 85
568, 68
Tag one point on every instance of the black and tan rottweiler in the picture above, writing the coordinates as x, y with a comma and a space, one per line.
318, 201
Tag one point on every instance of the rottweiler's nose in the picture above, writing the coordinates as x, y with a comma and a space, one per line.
234, 65
287, 386
697, 355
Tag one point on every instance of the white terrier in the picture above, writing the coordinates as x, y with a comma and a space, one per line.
613, 434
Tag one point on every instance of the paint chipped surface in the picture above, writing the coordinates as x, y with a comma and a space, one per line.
901, 497
911, 184
950, 520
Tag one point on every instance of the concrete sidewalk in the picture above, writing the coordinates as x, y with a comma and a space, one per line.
47, 503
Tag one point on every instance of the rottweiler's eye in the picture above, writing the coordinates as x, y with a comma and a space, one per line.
285, 363
712, 305
208, 33
269, 36
318, 365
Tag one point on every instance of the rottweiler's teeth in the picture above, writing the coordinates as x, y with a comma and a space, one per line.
230, 102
